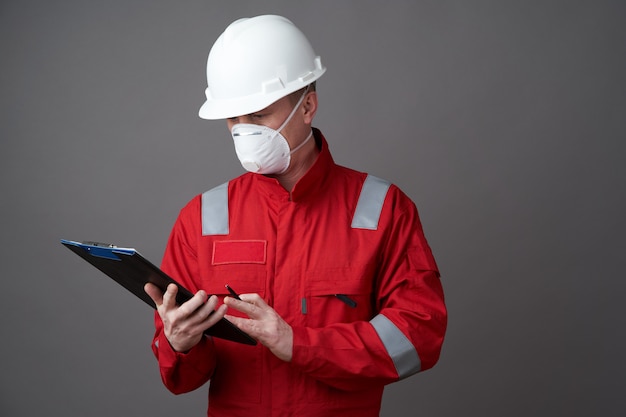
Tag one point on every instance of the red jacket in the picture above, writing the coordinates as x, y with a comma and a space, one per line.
339, 232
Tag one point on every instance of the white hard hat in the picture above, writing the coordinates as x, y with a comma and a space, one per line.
255, 62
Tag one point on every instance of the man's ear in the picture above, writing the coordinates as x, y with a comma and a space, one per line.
309, 105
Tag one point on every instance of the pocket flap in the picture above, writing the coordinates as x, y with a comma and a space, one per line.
239, 252
335, 282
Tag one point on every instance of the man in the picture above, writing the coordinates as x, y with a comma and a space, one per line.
336, 279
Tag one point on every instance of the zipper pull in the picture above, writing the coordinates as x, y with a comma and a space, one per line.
349, 301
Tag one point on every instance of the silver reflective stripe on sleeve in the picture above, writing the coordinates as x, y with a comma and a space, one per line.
215, 211
399, 347
370, 203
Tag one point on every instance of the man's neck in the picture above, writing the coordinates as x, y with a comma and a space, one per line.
299, 166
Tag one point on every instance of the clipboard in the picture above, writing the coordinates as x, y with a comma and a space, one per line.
128, 268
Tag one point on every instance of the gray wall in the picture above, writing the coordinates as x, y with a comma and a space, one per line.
503, 120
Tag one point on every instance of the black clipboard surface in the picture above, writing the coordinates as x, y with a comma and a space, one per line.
128, 268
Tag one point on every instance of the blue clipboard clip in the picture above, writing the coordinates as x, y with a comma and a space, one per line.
101, 250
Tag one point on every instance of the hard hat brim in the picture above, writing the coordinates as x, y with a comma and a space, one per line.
223, 109
216, 109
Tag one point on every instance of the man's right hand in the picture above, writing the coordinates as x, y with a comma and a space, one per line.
184, 325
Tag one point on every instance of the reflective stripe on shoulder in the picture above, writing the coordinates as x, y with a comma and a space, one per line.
370, 203
398, 346
215, 211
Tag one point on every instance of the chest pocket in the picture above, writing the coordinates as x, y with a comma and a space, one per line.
238, 263
337, 295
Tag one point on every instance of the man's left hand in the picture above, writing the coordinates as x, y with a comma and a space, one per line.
263, 323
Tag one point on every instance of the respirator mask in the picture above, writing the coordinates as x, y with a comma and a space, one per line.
263, 150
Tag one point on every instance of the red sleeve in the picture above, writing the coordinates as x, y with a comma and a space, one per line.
183, 372
407, 332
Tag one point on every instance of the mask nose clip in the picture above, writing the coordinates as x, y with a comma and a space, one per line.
237, 132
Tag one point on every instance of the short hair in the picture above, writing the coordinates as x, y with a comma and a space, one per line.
295, 96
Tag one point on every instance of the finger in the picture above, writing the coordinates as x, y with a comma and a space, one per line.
243, 324
215, 316
169, 297
242, 306
205, 310
190, 306
154, 293
253, 298
204, 318
251, 304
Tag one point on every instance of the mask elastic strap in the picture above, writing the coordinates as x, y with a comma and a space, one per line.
302, 144
294, 110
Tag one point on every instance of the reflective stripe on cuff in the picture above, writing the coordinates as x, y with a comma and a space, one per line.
399, 347
215, 211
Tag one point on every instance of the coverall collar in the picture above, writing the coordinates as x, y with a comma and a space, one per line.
313, 180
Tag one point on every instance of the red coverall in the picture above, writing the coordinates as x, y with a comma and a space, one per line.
336, 233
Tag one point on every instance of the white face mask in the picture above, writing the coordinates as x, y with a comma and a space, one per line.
262, 149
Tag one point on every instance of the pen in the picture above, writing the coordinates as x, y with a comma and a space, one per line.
349, 301
232, 292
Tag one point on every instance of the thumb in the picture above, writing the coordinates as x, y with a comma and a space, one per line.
154, 293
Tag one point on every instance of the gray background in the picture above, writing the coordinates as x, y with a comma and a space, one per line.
503, 120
